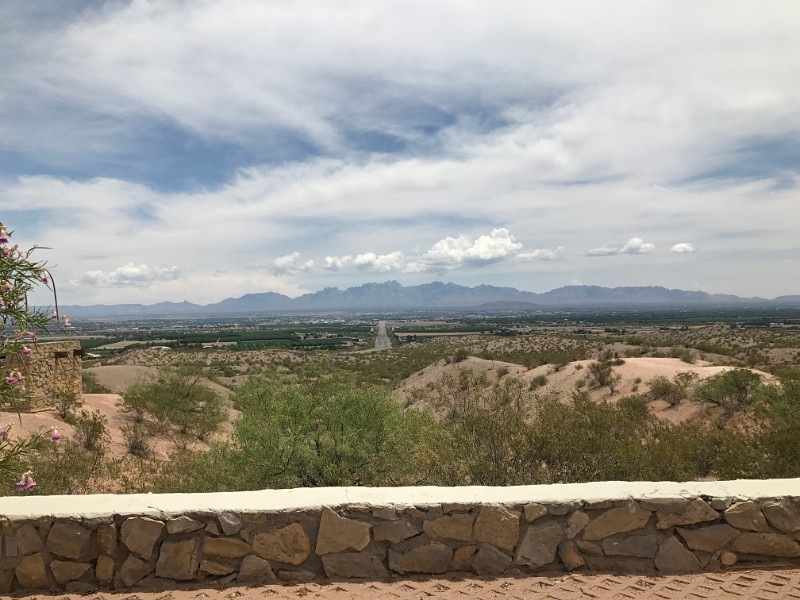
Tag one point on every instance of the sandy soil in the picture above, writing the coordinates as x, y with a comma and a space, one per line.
636, 374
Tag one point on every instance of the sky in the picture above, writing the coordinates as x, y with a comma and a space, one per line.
199, 150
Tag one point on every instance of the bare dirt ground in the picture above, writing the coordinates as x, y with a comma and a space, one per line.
636, 373
116, 378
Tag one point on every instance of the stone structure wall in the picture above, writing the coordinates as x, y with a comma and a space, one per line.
121, 542
53, 369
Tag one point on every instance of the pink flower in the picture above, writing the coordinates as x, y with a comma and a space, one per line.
67, 322
26, 352
45, 279
32, 335
54, 315
14, 378
56, 436
5, 286
26, 482
4, 239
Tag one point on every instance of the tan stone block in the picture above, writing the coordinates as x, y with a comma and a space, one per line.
133, 569
337, 534
497, 526
674, 557
225, 547
28, 540
104, 569
107, 539
616, 520
576, 522
395, 531
214, 568
534, 511
354, 565
462, 558
490, 561
289, 544
430, 558
66, 571
539, 544
766, 544
697, 511
747, 516
710, 538
450, 527
178, 560
255, 569
569, 555
183, 524
140, 534
70, 540
31, 572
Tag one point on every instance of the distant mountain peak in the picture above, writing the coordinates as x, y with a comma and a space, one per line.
391, 295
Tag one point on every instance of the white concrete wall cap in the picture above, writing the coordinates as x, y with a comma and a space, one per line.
168, 505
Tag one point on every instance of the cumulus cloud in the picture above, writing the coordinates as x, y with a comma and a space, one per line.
635, 245
451, 252
368, 261
545, 254
446, 254
291, 264
683, 248
131, 275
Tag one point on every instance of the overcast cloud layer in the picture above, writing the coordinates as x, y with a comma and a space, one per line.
201, 150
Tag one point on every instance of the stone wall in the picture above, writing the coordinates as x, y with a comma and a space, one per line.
53, 369
79, 544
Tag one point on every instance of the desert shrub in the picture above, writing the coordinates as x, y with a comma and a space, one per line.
662, 388
64, 404
91, 430
321, 429
461, 355
91, 385
180, 399
682, 353
538, 381
137, 439
484, 440
731, 389
502, 371
67, 468
601, 372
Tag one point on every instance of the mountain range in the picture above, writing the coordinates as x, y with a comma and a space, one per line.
391, 295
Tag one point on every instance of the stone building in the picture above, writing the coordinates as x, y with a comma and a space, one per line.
52, 370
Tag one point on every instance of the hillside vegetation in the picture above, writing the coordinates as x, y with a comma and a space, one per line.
475, 409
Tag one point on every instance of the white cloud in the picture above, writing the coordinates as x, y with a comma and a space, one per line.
131, 275
545, 254
683, 248
291, 264
451, 252
635, 245
368, 261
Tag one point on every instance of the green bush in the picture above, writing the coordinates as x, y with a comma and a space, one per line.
320, 430
91, 385
538, 381
91, 430
731, 389
177, 398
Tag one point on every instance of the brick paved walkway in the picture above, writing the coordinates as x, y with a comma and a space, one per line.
761, 585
